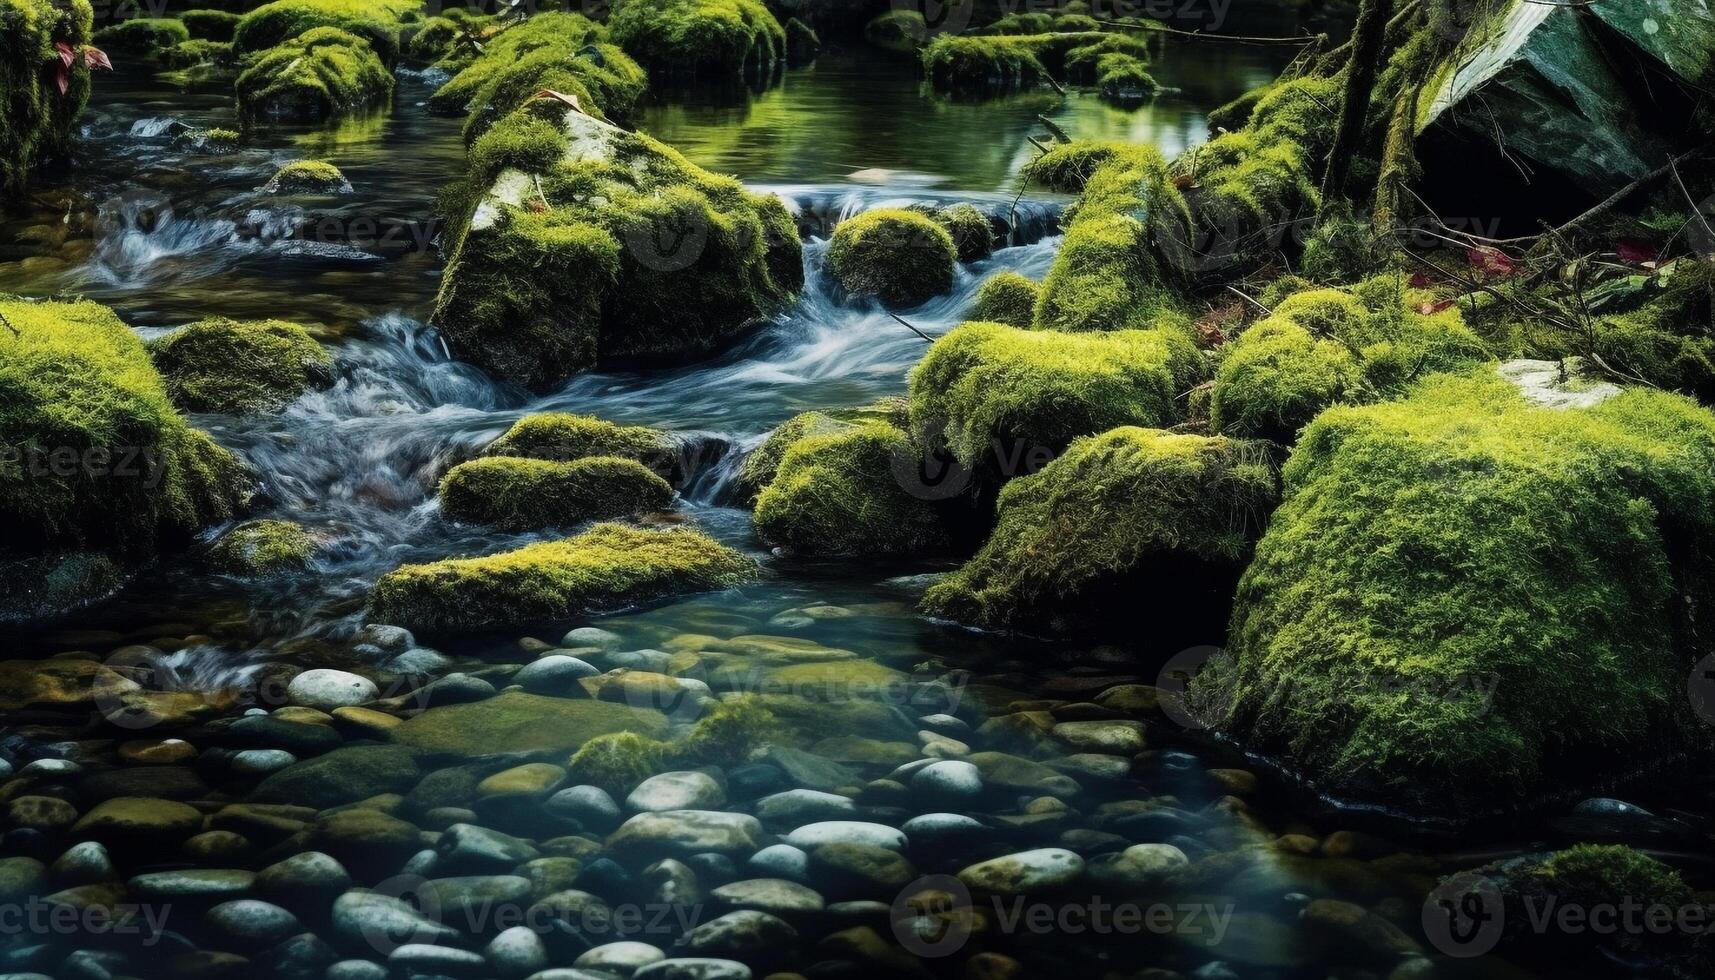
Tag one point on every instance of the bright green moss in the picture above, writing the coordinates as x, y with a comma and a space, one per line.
263, 548
728, 733
200, 54
1593, 874
607, 566
993, 64
97, 456
617, 762
762, 464
239, 367
146, 37
972, 231
899, 257
1009, 298
700, 37
562, 438
378, 22
996, 396
838, 491
902, 31
531, 494
1341, 248
1067, 167
1669, 340
1233, 116
1076, 542
438, 37
219, 140
1124, 80
210, 25
1026, 23
618, 249
1456, 584
36, 123
563, 35
320, 74
1277, 377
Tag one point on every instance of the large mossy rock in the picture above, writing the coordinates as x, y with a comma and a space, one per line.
379, 22
36, 123
899, 257
993, 64
608, 566
762, 463
320, 74
263, 548
700, 37
590, 245
561, 437
519, 722
529, 494
1108, 535
1457, 583
345, 775
99, 460
239, 367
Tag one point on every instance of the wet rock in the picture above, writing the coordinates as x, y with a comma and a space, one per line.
1140, 868
425, 959
555, 675
260, 762
248, 924
864, 946
139, 822
746, 934
263, 732
799, 806
20, 877
1017, 775
370, 841
304, 881
379, 640
466, 847
162, 782
810, 770
192, 884
358, 722
622, 958
157, 752
325, 689
1110, 737
305, 956
814, 835
366, 920
470, 902
1026, 872
677, 791
781, 861
42, 813
856, 870
267, 823
932, 832
772, 895
218, 848
516, 952
345, 775
685, 832
590, 806
693, 968
948, 780
356, 970
82, 864
530, 780
1358, 932
590, 636
752, 780
520, 722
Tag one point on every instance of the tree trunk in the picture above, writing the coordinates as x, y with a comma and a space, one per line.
1368, 38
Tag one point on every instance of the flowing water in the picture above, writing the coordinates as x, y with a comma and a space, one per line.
167, 229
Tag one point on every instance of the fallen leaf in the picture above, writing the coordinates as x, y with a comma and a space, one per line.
1635, 252
67, 55
1489, 260
96, 58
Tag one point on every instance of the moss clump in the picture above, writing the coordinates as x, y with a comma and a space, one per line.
1009, 298
263, 548
700, 37
609, 565
219, 140
615, 248
972, 231
1465, 535
1076, 542
1324, 346
899, 257
617, 762
1067, 167
307, 177
98, 458
148, 37
377, 22
1123, 79
902, 31
198, 53
1341, 248
319, 74
803, 44
530, 494
562, 438
993, 64
997, 396
838, 491
516, 722
1669, 339
1594, 874
210, 25
762, 464
728, 733
239, 367
36, 123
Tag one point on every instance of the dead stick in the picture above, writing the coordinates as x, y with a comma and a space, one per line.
908, 326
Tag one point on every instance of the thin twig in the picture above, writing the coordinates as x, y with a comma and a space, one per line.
1160, 28
908, 326
1696, 212
1251, 300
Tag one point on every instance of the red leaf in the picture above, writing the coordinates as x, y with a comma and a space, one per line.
1635, 252
94, 57
62, 78
1489, 260
67, 55
1420, 280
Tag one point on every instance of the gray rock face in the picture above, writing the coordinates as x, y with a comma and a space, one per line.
325, 689
623, 958
466, 847
949, 780
772, 895
251, 924
591, 806
1025, 872
682, 833
799, 806
742, 933
781, 861
676, 791
516, 952
556, 675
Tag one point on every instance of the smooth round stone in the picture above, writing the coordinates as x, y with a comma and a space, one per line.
742, 933
83, 864
945, 724
676, 791
326, 689
949, 779
516, 952
377, 638
310, 877
685, 832
301, 715
849, 870
41, 768
781, 861
1154, 859
140, 821
1095, 765
252, 924
814, 835
364, 919
305, 956
424, 959
218, 848
932, 830
1110, 737
418, 660
775, 896
1024, 872
671, 882
193, 883
47, 814
261, 762
366, 722
531, 779
156, 752
653, 661
356, 970
590, 636
798, 806
20, 877
591, 806
754, 779
694, 968
623, 958
468, 847
458, 688
555, 675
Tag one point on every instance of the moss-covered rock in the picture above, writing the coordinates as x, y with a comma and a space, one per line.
700, 37
972, 64
1067, 167
1007, 297
307, 177
728, 733
210, 25
378, 22
617, 761
36, 124
971, 229
529, 494
98, 459
239, 367
997, 396
1110, 531
563, 437
148, 38
608, 566
519, 722
201, 58
901, 31
320, 74
1458, 582
837, 490
591, 245
263, 548
763, 463
899, 257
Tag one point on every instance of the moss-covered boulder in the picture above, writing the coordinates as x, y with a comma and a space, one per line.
618, 761
97, 458
898, 30
1457, 583
562, 438
378, 22
1067, 167
762, 463
239, 367
1120, 528
837, 490
307, 177
529, 494
975, 64
971, 230
36, 124
320, 74
700, 37
345, 775
263, 548
999, 398
1007, 297
210, 25
608, 566
899, 257
519, 722
146, 38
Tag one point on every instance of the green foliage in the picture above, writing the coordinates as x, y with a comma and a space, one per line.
78, 383
1007, 297
319, 74
1596, 874
1341, 248
993, 394
608, 566
617, 762
36, 124
899, 257
149, 37
971, 230
1465, 535
1067, 167
992, 64
562, 438
700, 37
762, 464
1075, 540
727, 734
1669, 340
263, 548
377, 22
236, 367
531, 494
210, 25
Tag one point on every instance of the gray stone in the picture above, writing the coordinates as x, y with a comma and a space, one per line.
517, 952
249, 924
683, 833
775, 896
623, 958
1027, 871
261, 762
467, 847
814, 835
381, 922
556, 675
745, 932
694, 968
676, 791
798, 806
326, 689
781, 861
589, 636
591, 806
949, 780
